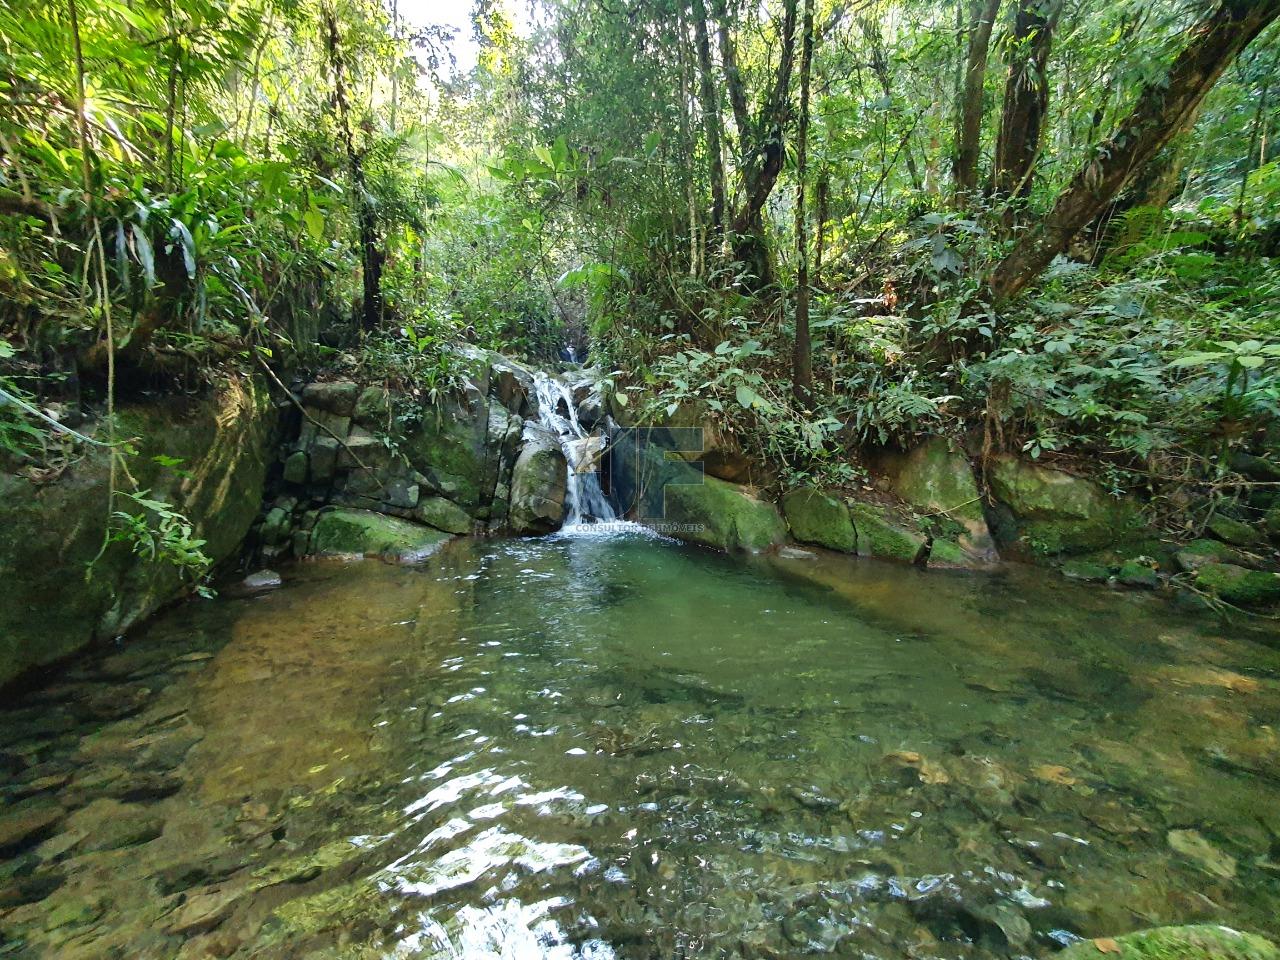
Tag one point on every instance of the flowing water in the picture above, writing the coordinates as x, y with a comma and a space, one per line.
584, 500
607, 746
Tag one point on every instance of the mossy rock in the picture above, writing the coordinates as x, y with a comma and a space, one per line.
1197, 553
1086, 571
719, 514
1135, 573
1057, 513
1234, 531
1272, 522
946, 553
443, 515
937, 478
539, 481
880, 536
1194, 942
449, 446
1239, 585
52, 531
815, 517
365, 533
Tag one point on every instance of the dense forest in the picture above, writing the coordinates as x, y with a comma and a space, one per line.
1046, 226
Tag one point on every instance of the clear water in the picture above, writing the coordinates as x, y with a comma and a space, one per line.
612, 746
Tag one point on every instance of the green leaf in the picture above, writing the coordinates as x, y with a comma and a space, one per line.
314, 221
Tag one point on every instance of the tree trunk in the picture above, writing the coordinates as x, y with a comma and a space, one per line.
1026, 99
710, 118
761, 145
366, 220
802, 366
969, 126
1163, 110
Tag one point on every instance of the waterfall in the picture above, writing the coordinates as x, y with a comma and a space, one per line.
585, 501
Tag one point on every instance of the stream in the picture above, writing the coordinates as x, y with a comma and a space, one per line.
602, 744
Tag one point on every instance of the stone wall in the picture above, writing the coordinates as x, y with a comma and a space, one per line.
49, 608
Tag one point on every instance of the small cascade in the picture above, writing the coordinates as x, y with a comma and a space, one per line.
585, 501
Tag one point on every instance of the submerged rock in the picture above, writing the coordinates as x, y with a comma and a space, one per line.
817, 518
719, 514
364, 533
1194, 942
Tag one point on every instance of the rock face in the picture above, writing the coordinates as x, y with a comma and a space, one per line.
1196, 942
716, 513
936, 478
364, 533
817, 518
538, 483
1057, 513
52, 531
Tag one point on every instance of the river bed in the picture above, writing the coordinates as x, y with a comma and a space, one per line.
609, 745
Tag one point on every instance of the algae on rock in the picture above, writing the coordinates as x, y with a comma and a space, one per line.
816, 517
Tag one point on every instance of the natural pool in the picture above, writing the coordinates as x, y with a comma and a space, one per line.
614, 746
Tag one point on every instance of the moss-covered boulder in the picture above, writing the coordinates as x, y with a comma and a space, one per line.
1197, 553
1195, 942
719, 514
1229, 530
1086, 571
539, 480
1272, 523
369, 534
51, 531
1239, 585
443, 515
1058, 513
815, 517
882, 535
936, 477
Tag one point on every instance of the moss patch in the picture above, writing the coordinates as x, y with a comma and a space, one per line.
879, 536
1238, 585
815, 517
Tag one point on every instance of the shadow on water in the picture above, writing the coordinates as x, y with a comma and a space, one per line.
591, 746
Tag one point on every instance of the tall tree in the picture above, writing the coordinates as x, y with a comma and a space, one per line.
1164, 109
711, 123
1026, 98
761, 144
969, 122
802, 366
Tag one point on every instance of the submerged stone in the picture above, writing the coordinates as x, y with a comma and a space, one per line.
1086, 571
364, 533
815, 517
1193, 942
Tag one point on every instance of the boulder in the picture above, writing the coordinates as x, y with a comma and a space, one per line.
336, 398
880, 535
295, 467
373, 407
53, 530
936, 477
1197, 553
538, 483
815, 517
723, 515
1058, 513
1194, 942
365, 533
720, 453
443, 515
1239, 585
1233, 531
